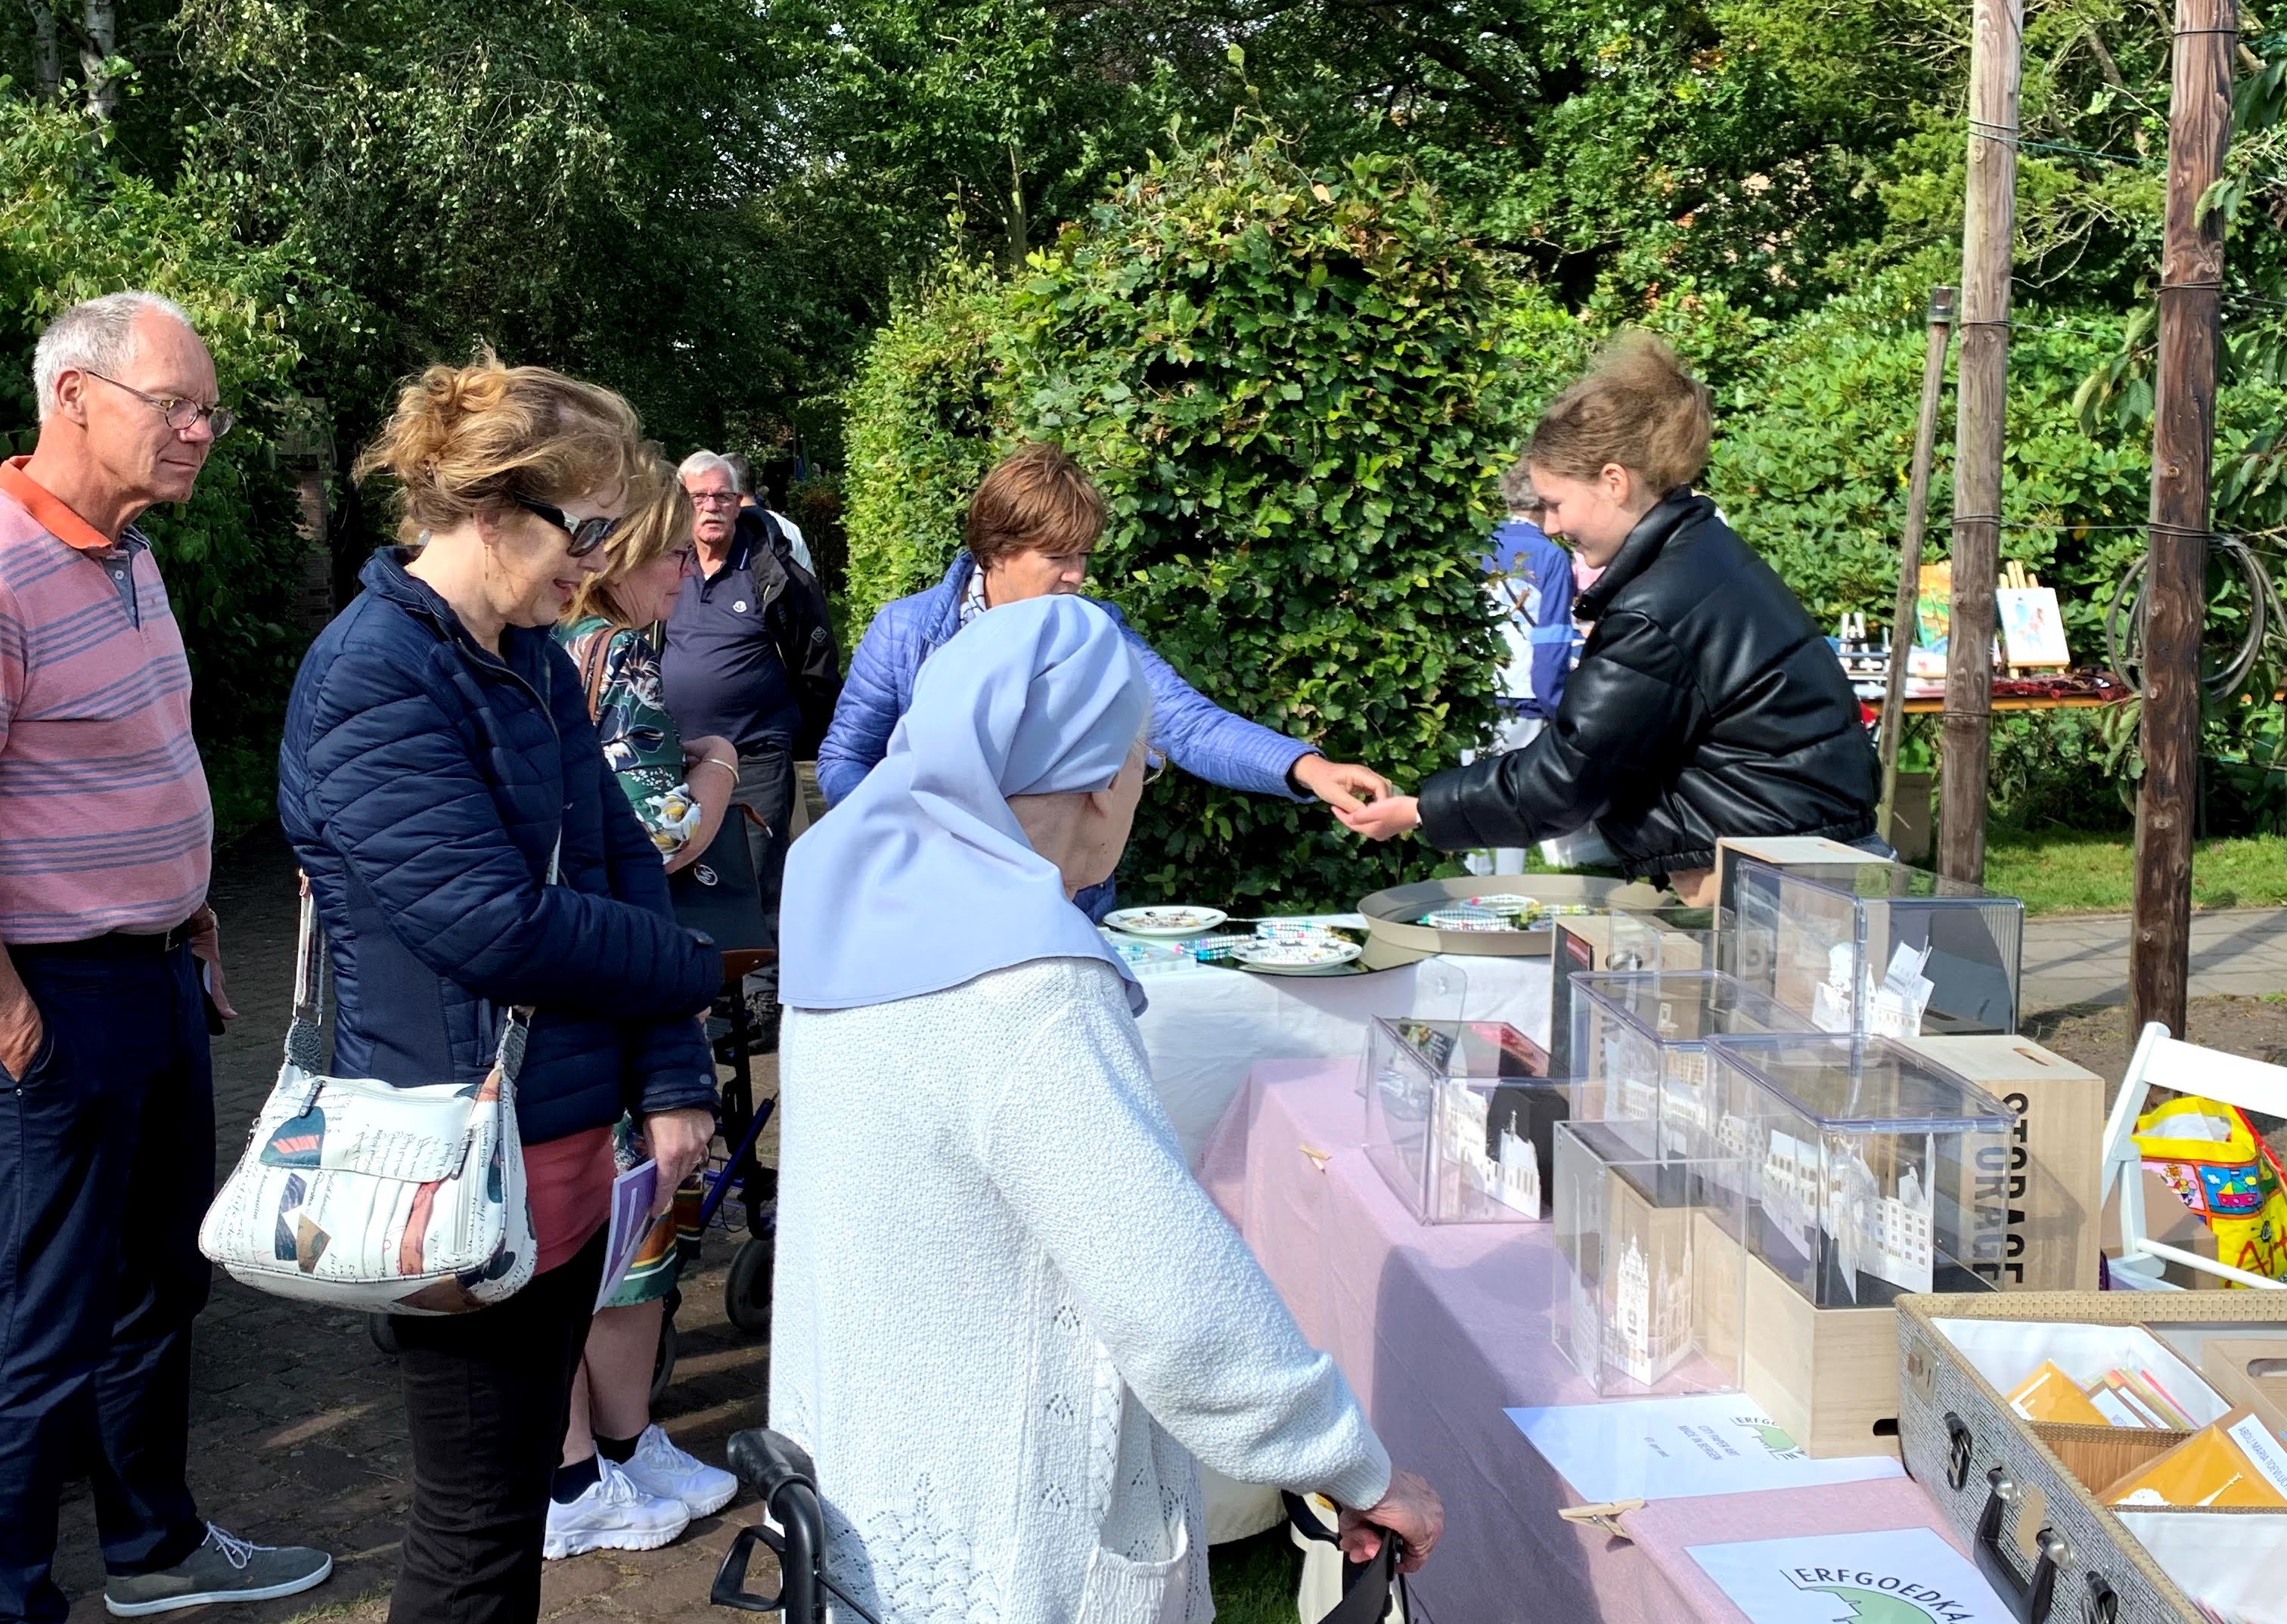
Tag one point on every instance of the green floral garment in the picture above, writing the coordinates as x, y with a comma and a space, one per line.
640, 744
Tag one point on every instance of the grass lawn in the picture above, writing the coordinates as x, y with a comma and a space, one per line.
1253, 1580
2074, 872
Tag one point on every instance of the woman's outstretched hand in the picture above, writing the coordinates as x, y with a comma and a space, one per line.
1410, 1510
1379, 820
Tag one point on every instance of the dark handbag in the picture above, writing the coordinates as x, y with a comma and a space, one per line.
720, 893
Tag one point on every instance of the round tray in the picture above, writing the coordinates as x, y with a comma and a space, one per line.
1392, 938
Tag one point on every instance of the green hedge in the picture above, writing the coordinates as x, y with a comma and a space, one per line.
1279, 378
73, 224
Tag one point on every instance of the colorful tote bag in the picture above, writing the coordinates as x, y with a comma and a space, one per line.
364, 1195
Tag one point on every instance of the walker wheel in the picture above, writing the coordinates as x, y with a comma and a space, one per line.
382, 1331
747, 1294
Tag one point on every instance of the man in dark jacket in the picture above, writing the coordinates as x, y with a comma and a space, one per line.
750, 658
1705, 705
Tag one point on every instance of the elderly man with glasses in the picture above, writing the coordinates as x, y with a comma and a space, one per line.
108, 979
750, 658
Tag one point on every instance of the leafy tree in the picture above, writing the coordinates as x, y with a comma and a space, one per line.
1276, 375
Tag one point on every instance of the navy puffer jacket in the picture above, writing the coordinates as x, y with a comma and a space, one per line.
423, 781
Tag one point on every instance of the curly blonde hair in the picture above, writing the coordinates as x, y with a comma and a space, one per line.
467, 441
1638, 407
658, 523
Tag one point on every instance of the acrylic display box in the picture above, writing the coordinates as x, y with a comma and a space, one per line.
1874, 948
1459, 1116
1877, 1170
1623, 941
1639, 1044
1649, 1291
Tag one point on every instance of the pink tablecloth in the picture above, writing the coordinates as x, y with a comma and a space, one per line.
1439, 1330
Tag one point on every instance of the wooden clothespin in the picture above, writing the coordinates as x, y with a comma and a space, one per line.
1605, 1515
1318, 1158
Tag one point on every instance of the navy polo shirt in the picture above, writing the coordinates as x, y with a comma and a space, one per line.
722, 672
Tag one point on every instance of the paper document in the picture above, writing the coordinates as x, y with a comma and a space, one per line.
1900, 1576
632, 1193
1670, 1448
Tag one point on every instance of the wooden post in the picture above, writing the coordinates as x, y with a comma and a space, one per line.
1981, 393
1910, 550
2183, 449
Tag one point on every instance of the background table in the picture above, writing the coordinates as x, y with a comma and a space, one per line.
1441, 1329
1207, 1024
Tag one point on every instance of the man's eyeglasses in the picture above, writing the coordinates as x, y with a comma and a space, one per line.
587, 534
1155, 767
182, 414
715, 498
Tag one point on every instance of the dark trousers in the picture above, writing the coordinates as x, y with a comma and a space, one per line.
107, 1165
487, 1397
766, 782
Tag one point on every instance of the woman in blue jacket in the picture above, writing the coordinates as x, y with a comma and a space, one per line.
1030, 527
438, 758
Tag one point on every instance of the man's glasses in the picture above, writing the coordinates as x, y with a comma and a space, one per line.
182, 414
587, 534
1155, 767
715, 498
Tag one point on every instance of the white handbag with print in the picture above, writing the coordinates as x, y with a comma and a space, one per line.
363, 1196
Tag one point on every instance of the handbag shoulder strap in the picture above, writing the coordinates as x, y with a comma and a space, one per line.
591, 667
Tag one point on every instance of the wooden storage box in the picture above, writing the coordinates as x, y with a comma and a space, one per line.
2019, 1494
2055, 1156
1829, 1376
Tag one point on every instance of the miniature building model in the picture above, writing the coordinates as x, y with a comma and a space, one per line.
1650, 1327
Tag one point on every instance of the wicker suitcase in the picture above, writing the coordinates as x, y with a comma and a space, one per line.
2010, 1486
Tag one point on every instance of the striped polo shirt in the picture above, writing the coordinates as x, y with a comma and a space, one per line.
104, 821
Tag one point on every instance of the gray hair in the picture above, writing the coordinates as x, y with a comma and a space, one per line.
95, 336
1516, 488
707, 462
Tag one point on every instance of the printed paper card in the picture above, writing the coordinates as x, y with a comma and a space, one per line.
1902, 1576
1671, 1448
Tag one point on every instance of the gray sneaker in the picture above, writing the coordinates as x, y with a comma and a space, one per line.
225, 1569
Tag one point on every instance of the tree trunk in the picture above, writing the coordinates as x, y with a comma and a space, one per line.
1019, 244
101, 43
1989, 224
47, 66
2183, 451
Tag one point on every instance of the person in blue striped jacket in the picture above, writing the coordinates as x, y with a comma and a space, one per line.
1030, 528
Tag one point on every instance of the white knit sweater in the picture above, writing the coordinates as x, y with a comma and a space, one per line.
1008, 1318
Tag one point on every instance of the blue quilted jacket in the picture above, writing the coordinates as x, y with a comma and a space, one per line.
1188, 728
423, 781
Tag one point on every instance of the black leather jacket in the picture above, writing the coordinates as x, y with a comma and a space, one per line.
1705, 705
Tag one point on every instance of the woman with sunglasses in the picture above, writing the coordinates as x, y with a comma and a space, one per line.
470, 852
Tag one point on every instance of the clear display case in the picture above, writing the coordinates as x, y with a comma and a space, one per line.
1874, 948
1622, 941
1649, 1294
1459, 1116
1875, 1170
1639, 1042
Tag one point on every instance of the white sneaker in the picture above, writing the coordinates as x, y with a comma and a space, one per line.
657, 1467
616, 1513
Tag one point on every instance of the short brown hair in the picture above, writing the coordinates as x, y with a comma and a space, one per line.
469, 440
1638, 407
1036, 499
658, 523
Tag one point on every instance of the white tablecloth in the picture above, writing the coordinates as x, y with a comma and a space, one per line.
1207, 1024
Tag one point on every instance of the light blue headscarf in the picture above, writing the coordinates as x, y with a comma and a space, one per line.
922, 879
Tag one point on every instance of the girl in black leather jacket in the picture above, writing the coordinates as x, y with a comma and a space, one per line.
1705, 704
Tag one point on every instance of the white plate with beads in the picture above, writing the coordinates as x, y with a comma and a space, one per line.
1292, 958
1165, 922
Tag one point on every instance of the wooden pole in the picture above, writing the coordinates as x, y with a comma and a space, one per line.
1989, 222
2183, 450
1910, 549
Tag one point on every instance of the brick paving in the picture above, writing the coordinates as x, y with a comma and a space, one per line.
298, 1434
2081, 959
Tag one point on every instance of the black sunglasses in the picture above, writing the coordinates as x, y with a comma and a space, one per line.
587, 534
